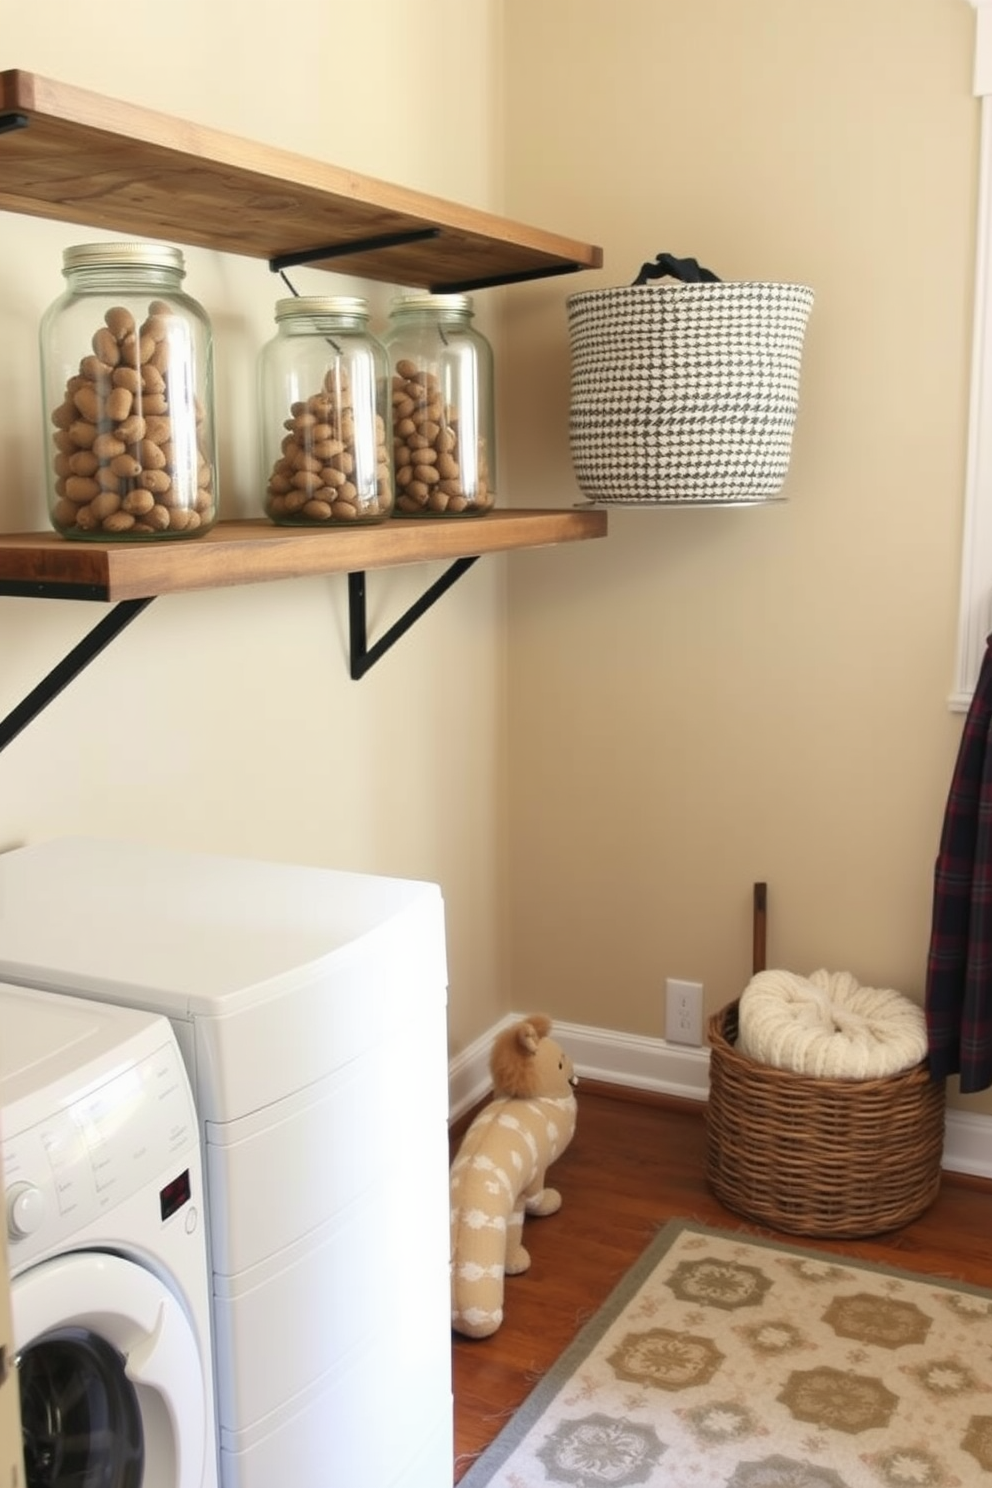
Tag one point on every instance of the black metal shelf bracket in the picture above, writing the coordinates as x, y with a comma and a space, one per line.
12, 121
415, 235
362, 655
70, 666
491, 281
346, 250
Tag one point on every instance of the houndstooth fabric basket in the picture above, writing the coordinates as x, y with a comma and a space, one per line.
685, 392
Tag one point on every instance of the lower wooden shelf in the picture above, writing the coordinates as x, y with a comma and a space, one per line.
42, 565
45, 565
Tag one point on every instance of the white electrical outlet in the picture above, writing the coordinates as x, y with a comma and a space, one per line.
683, 1012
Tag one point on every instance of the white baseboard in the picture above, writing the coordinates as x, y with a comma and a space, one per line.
674, 1069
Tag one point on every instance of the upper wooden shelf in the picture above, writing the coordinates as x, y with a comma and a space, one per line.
251, 552
76, 156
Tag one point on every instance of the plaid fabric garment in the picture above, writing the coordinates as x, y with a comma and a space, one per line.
959, 963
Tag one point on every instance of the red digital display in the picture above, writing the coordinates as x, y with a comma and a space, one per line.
175, 1194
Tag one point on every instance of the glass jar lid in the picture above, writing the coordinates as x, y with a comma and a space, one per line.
321, 305
425, 301
122, 256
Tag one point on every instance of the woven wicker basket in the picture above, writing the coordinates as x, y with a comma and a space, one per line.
815, 1156
685, 392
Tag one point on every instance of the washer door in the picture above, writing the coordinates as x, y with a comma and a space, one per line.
112, 1386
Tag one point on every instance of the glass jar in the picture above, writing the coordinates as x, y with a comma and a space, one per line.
444, 448
325, 415
127, 382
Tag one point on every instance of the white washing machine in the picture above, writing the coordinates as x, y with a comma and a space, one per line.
311, 1008
106, 1251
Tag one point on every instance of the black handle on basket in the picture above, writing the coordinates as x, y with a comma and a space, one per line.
686, 269
759, 960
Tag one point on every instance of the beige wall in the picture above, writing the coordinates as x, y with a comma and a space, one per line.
226, 721
716, 697
705, 699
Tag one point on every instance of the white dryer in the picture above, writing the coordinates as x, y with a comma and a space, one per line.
311, 1008
106, 1251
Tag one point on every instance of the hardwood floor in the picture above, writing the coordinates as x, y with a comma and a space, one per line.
634, 1163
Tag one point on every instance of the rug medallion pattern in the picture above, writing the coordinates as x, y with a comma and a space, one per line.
730, 1362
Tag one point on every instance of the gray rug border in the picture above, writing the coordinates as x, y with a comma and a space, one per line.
551, 1384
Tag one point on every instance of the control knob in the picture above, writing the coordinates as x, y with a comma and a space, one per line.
25, 1210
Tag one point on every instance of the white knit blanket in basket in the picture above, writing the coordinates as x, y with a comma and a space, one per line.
830, 1026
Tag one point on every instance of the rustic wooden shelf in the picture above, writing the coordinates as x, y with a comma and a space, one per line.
44, 565
76, 156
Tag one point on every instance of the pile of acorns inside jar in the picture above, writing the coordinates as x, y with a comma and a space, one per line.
435, 472
129, 454
320, 475
326, 472
374, 428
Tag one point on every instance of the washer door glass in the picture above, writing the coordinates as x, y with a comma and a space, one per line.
80, 1416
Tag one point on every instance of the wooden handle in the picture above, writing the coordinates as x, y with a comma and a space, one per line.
760, 927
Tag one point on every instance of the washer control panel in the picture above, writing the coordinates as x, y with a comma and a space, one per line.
99, 1145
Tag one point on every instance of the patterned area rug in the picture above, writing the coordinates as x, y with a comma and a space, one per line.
726, 1361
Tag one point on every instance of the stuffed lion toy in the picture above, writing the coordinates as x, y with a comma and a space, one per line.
498, 1173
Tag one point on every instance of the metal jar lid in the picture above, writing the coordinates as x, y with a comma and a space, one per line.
123, 256
321, 305
454, 302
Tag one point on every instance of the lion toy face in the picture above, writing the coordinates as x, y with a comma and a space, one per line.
527, 1064
498, 1174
